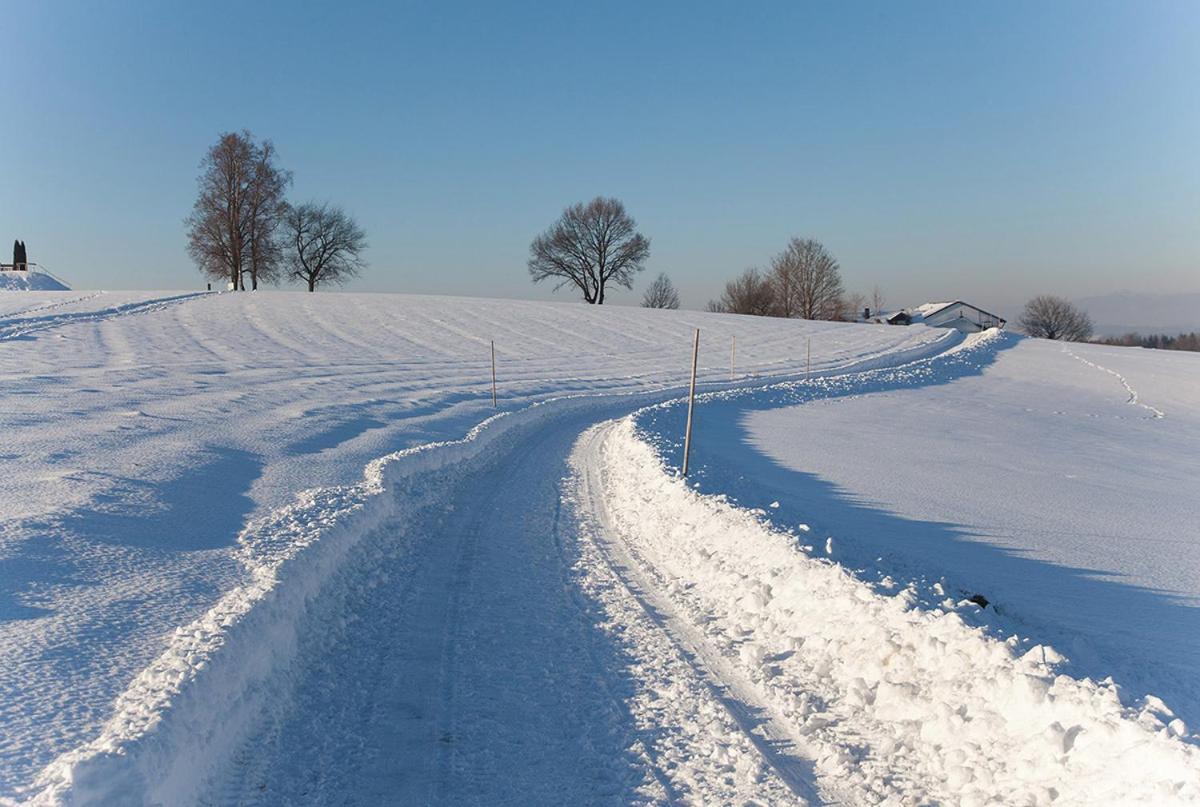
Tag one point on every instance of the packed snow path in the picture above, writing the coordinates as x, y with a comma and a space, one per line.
476, 669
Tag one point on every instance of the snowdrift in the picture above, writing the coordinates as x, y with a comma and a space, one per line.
896, 702
30, 281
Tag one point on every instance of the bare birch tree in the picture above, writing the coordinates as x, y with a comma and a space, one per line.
265, 209
589, 246
234, 219
661, 293
324, 244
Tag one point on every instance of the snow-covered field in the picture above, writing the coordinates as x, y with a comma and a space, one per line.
1017, 469
266, 548
1063, 483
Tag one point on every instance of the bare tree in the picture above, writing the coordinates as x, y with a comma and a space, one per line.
808, 281
265, 209
852, 306
1049, 317
748, 293
324, 244
233, 222
784, 278
589, 246
661, 293
877, 300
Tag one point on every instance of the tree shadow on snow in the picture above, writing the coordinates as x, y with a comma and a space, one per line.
135, 527
203, 508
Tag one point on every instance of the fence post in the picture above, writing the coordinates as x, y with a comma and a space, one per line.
687, 433
494, 406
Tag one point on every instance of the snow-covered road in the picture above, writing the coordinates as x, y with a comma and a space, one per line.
495, 657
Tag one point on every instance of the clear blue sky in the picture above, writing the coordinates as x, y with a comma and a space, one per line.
939, 149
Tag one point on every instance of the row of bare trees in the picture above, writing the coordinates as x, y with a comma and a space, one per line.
804, 281
242, 224
1157, 341
597, 243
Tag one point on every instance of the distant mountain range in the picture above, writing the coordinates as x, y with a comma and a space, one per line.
1115, 314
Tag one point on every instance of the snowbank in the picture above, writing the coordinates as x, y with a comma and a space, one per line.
30, 281
897, 703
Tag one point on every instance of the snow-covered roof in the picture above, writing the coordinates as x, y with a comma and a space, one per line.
925, 309
919, 313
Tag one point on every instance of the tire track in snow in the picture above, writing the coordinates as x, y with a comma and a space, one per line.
771, 738
30, 325
1155, 414
48, 306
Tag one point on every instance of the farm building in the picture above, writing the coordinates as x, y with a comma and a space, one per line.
962, 316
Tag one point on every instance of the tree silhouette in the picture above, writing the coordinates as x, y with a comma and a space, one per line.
1049, 317
324, 244
661, 293
589, 246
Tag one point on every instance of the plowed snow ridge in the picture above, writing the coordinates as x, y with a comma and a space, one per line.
894, 703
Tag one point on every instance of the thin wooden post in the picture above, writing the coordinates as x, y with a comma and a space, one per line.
494, 405
687, 433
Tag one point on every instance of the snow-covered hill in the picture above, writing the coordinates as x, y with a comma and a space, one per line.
29, 281
280, 548
144, 431
1058, 482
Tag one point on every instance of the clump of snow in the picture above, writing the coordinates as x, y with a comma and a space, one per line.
895, 702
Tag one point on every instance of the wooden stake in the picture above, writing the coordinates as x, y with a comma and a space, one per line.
687, 433
494, 405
